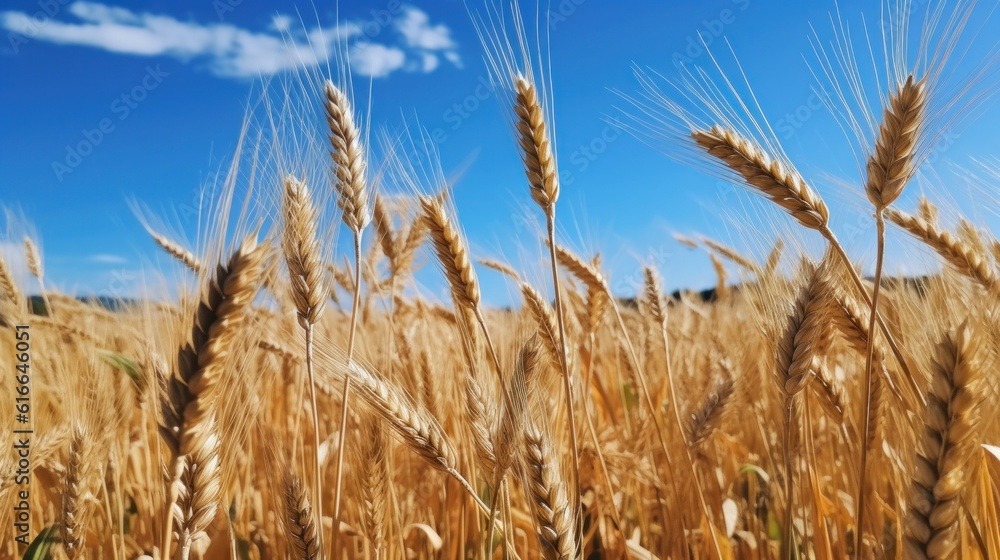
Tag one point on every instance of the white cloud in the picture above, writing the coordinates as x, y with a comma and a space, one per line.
13, 255
430, 62
416, 28
373, 59
102, 258
281, 23
418, 32
231, 51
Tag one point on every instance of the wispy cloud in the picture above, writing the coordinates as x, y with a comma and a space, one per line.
13, 255
102, 258
230, 51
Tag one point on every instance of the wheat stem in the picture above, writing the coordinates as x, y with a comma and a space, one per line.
346, 395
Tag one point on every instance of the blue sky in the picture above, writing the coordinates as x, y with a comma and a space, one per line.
110, 102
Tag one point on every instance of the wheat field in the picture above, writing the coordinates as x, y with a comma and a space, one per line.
293, 401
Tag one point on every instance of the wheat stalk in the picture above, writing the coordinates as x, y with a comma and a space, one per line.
351, 185
305, 270
889, 168
658, 309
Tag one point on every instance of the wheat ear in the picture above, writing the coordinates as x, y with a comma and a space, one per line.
711, 414
418, 430
10, 296
944, 450
189, 403
480, 421
502, 268
781, 185
546, 493
461, 276
348, 159
372, 484
176, 251
34, 261
773, 258
536, 151
451, 253
927, 211
302, 254
512, 420
794, 356
721, 288
732, 255
891, 164
382, 221
74, 526
300, 526
966, 261
8, 287
545, 319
